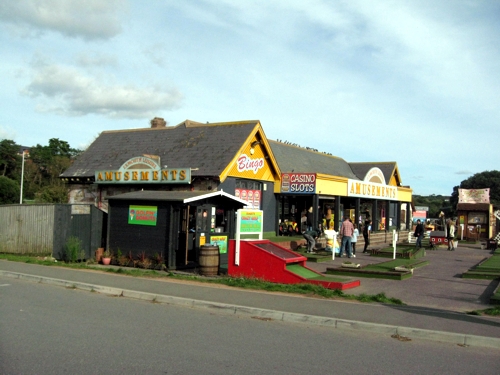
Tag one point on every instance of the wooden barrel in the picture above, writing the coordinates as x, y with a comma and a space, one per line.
209, 260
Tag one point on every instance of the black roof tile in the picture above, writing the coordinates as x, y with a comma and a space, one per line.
300, 160
207, 148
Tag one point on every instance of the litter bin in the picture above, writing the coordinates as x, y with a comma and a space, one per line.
492, 244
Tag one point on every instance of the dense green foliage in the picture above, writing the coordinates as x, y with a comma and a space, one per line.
9, 158
9, 191
436, 204
42, 167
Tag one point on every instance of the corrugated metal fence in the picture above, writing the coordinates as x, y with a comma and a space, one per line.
45, 228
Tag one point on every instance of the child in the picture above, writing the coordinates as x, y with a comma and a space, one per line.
354, 239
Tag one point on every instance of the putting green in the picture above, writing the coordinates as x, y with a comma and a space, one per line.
301, 271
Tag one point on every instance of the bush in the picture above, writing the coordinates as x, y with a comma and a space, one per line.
72, 249
9, 191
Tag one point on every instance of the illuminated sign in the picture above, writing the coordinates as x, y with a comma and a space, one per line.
143, 170
298, 183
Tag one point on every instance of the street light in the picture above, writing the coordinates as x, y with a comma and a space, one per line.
22, 179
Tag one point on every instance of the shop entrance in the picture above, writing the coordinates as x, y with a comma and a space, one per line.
291, 209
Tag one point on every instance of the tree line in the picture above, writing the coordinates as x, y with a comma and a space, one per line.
42, 167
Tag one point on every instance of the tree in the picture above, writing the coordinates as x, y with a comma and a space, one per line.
436, 204
482, 180
45, 166
9, 191
9, 157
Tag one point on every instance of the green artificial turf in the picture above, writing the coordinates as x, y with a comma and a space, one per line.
487, 270
308, 274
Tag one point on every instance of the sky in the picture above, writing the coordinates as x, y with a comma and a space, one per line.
415, 82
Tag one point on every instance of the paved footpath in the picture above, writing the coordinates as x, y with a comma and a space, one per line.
436, 298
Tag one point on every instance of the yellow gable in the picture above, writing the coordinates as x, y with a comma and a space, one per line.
252, 163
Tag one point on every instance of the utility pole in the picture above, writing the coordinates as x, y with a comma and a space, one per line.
22, 180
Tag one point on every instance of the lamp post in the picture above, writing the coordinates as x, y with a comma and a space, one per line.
22, 180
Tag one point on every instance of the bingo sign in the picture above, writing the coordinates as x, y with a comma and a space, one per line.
250, 196
298, 183
142, 215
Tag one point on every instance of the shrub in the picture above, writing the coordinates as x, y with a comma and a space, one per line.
72, 249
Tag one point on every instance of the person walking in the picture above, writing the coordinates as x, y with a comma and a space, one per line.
347, 231
419, 234
354, 239
311, 236
451, 235
366, 234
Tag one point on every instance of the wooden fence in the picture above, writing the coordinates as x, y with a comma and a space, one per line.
44, 229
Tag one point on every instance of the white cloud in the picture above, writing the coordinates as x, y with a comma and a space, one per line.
7, 133
67, 91
97, 60
90, 19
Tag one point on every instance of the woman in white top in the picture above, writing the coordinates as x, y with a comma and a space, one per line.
451, 235
354, 239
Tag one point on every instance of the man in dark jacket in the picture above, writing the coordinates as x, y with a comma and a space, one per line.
311, 236
419, 234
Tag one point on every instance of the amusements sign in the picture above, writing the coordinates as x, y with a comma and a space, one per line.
142, 215
474, 195
298, 183
143, 170
250, 196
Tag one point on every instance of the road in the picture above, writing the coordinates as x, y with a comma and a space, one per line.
52, 330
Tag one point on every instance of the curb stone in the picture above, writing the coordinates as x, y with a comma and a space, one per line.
448, 337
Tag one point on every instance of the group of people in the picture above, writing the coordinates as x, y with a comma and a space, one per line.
349, 233
449, 234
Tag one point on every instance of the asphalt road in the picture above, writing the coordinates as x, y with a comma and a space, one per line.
46, 329
436, 298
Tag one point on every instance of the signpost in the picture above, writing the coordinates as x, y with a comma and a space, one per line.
247, 222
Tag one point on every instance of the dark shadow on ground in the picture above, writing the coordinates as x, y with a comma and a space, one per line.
449, 315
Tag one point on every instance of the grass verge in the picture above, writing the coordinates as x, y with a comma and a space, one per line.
237, 282
492, 311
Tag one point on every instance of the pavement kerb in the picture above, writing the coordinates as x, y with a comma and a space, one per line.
343, 324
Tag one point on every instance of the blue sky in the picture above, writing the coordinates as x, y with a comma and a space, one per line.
416, 82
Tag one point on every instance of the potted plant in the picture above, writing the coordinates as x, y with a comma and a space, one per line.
106, 257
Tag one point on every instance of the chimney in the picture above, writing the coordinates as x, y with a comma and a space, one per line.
158, 122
